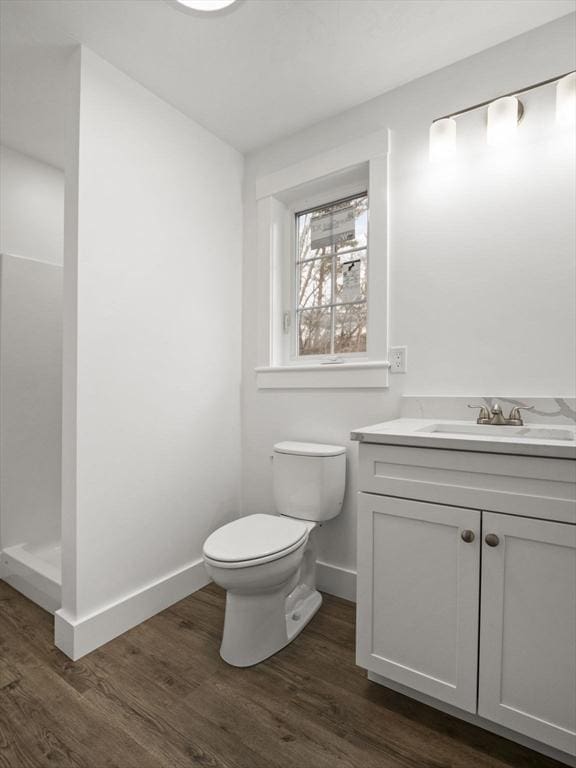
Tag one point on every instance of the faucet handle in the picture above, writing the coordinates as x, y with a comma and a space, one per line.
515, 412
484, 414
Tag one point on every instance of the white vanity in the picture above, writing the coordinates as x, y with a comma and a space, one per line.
467, 572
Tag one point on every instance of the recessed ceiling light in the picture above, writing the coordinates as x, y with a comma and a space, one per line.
206, 5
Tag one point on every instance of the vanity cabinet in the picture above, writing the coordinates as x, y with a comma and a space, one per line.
467, 584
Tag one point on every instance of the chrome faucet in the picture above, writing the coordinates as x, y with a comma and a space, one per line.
496, 416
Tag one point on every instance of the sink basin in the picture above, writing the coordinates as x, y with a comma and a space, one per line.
487, 430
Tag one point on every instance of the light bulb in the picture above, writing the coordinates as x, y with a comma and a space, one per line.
206, 5
566, 100
503, 117
442, 139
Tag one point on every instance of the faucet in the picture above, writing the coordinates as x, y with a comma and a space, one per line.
496, 416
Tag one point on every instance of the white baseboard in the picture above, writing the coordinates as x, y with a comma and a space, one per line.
336, 581
77, 637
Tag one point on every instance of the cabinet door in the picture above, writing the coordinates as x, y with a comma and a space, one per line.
418, 596
528, 629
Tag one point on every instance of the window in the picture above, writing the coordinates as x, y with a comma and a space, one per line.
331, 267
321, 288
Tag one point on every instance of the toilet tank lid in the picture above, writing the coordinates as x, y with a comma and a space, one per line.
309, 449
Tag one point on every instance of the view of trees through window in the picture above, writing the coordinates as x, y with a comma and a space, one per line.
331, 256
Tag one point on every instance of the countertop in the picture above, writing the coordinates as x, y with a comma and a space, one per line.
418, 433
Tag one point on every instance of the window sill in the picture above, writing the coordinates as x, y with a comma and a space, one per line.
367, 374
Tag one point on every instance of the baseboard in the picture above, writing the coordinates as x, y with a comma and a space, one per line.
77, 637
336, 581
481, 722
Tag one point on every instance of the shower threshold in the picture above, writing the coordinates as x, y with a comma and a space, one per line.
35, 570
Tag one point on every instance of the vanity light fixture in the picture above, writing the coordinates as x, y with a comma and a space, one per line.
442, 139
503, 117
566, 100
504, 114
205, 5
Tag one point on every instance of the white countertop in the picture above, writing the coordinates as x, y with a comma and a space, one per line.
419, 433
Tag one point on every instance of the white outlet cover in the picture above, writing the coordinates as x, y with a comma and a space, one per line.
398, 359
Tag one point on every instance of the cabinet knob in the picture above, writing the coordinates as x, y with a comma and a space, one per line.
467, 536
492, 540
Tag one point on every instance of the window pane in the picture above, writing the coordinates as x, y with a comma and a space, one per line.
314, 332
331, 256
360, 238
315, 283
335, 227
351, 277
350, 328
304, 246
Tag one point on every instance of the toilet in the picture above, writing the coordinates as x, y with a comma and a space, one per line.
267, 563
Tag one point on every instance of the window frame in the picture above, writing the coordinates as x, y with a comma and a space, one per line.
343, 193
345, 171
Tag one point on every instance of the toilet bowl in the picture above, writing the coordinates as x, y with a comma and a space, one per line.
267, 563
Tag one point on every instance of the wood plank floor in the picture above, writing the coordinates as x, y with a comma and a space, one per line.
161, 697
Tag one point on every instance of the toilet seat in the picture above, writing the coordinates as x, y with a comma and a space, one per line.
253, 540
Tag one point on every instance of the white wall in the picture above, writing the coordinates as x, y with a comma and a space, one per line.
482, 260
30, 400
31, 207
152, 341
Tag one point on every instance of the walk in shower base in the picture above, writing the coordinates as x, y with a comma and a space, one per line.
35, 570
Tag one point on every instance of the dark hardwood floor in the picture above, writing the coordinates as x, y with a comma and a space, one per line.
161, 697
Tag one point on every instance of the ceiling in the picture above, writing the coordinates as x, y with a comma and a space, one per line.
251, 75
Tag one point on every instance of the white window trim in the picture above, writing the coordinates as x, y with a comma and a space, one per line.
276, 194
364, 374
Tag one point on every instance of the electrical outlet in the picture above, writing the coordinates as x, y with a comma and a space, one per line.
398, 359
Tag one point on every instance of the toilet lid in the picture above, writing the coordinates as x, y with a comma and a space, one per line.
254, 537
309, 449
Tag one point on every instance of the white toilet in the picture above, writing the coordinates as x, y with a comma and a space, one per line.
267, 563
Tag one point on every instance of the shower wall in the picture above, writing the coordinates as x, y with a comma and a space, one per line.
31, 207
30, 401
31, 234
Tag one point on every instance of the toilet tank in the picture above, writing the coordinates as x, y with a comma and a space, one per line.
309, 480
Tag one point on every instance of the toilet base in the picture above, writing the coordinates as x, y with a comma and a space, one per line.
258, 626
301, 606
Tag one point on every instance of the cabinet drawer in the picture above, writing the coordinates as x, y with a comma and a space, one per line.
517, 485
